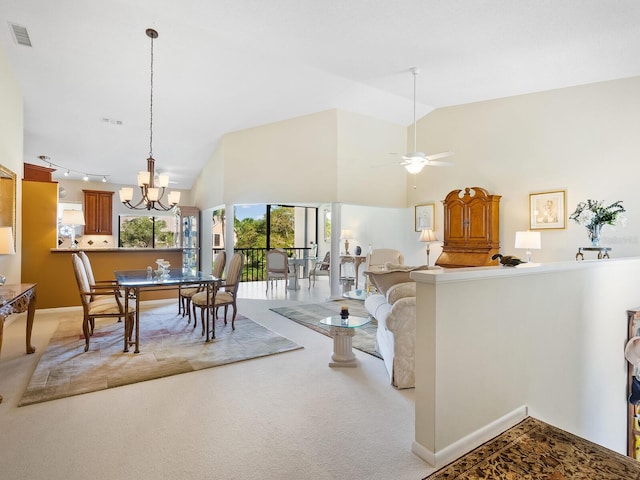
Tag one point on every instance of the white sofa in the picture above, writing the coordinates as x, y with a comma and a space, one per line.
394, 307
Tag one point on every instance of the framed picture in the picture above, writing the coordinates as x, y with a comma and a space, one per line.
547, 210
425, 218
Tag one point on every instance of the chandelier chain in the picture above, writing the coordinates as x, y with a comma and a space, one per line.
152, 192
151, 106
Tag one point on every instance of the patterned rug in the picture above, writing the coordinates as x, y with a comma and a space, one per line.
168, 346
536, 450
310, 315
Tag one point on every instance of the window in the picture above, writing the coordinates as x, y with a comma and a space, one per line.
147, 231
275, 226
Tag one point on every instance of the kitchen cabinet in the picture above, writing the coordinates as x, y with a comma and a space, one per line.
98, 212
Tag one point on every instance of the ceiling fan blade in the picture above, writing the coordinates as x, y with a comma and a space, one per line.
437, 163
435, 156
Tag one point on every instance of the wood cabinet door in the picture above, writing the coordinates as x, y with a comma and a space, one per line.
478, 225
98, 208
455, 223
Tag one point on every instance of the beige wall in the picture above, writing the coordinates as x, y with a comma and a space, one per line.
11, 147
208, 188
324, 157
367, 169
583, 139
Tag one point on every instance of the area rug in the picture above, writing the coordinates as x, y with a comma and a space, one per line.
310, 315
536, 450
168, 346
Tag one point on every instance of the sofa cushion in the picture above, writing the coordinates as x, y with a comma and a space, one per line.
384, 280
401, 290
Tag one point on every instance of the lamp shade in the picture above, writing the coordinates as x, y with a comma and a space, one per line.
414, 167
428, 236
346, 234
72, 217
6, 241
528, 240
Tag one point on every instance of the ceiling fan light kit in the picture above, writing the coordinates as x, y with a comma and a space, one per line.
415, 161
152, 189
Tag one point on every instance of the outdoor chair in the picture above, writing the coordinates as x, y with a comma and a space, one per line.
321, 268
277, 267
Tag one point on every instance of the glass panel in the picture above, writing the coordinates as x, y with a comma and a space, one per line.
136, 232
166, 231
250, 226
218, 228
282, 227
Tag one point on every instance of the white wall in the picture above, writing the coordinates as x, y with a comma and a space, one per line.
583, 139
550, 337
11, 147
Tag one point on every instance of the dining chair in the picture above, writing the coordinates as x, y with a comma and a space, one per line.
321, 267
99, 301
277, 267
224, 296
89, 270
185, 294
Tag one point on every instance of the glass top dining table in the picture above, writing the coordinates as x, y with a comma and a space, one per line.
136, 281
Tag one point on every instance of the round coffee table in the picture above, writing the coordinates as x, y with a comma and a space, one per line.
342, 331
356, 295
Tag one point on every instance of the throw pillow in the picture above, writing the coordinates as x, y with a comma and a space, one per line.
383, 280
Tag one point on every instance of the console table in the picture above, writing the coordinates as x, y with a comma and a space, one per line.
356, 260
603, 252
18, 298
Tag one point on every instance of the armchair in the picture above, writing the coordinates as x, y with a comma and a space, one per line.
378, 258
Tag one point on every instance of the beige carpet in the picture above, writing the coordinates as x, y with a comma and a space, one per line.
168, 346
536, 450
310, 315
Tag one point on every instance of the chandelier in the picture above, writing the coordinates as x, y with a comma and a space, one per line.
152, 189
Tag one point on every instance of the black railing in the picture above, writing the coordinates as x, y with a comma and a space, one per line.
255, 261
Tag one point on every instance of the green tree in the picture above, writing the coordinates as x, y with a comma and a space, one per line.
282, 227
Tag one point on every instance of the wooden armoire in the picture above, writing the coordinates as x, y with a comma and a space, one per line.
471, 228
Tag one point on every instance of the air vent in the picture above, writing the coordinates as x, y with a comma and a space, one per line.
111, 121
20, 35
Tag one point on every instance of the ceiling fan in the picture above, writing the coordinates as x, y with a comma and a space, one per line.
415, 161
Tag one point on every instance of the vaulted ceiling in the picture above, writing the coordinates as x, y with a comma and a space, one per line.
226, 65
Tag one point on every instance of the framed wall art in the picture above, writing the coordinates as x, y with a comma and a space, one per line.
547, 210
425, 218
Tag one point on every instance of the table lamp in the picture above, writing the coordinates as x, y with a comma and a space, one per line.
428, 237
528, 240
6, 246
72, 218
346, 236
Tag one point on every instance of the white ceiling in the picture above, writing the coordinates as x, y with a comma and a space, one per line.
225, 65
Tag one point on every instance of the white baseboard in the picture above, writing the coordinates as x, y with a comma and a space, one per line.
473, 440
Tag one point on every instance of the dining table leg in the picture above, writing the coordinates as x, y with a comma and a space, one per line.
137, 350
